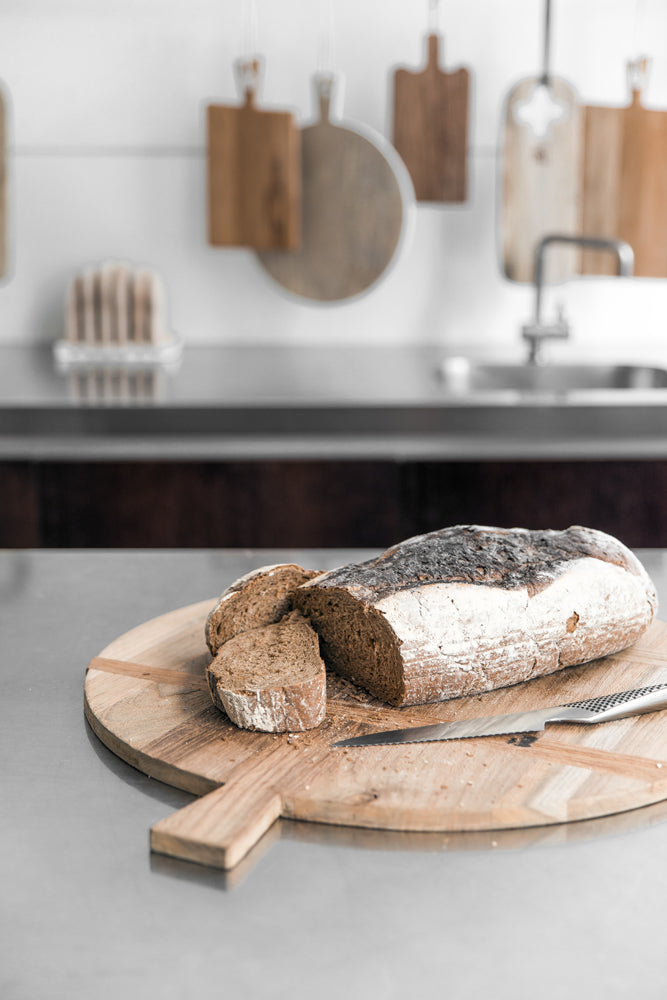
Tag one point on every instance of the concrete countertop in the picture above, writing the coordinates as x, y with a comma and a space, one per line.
572, 910
367, 403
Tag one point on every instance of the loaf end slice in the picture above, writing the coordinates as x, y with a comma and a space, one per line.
468, 609
261, 597
271, 678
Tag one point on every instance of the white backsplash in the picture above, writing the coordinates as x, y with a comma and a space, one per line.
108, 162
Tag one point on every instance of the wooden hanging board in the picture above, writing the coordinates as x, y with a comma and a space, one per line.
4, 222
541, 184
430, 127
146, 698
625, 185
254, 174
356, 198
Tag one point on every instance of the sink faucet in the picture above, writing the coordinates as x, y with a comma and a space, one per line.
537, 331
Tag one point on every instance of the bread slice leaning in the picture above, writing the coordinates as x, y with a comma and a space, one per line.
468, 609
271, 678
258, 598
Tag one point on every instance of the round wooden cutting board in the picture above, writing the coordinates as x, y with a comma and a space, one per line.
357, 202
146, 698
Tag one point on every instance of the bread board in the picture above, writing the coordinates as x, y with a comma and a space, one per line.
146, 698
253, 172
625, 184
541, 181
430, 127
356, 203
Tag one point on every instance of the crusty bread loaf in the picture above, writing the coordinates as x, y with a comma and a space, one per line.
271, 678
261, 597
468, 609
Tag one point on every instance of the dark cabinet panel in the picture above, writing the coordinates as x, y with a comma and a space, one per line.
626, 499
19, 506
258, 504
235, 504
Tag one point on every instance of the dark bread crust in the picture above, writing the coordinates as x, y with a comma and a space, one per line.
488, 557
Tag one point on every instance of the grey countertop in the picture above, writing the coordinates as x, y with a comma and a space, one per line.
303, 402
572, 910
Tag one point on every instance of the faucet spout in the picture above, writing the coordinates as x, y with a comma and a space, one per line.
537, 331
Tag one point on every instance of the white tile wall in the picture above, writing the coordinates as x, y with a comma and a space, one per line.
107, 160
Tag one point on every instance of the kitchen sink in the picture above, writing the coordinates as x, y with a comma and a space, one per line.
464, 377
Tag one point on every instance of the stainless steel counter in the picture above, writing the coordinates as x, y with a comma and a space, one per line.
316, 402
573, 910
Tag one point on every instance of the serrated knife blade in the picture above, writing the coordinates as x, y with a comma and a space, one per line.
604, 708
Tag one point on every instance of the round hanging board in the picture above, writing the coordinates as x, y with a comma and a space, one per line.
357, 202
146, 698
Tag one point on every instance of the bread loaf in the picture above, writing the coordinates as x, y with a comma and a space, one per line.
468, 609
261, 597
271, 678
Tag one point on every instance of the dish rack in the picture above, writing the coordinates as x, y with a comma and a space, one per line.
114, 318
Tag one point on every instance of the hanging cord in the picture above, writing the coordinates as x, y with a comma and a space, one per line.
248, 67
434, 17
545, 79
326, 53
638, 66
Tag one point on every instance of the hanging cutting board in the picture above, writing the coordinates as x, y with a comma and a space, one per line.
430, 127
356, 201
146, 698
4, 222
625, 184
541, 184
254, 172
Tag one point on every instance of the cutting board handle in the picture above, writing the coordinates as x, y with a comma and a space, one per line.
637, 70
325, 86
433, 53
248, 72
220, 828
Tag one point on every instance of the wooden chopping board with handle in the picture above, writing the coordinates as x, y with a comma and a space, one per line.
625, 181
356, 208
541, 183
146, 698
430, 127
253, 171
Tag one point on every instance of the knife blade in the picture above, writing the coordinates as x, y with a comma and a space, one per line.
604, 708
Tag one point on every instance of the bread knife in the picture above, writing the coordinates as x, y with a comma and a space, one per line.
601, 709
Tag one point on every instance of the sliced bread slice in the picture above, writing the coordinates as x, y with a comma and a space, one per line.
271, 678
259, 598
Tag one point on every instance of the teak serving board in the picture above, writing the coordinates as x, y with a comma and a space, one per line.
541, 183
625, 185
430, 127
146, 698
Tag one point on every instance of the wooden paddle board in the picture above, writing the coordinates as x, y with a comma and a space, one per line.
4, 221
254, 174
541, 182
146, 698
356, 199
430, 127
625, 184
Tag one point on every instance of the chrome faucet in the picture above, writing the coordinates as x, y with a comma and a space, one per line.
537, 331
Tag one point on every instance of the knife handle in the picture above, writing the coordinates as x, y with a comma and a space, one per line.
624, 703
